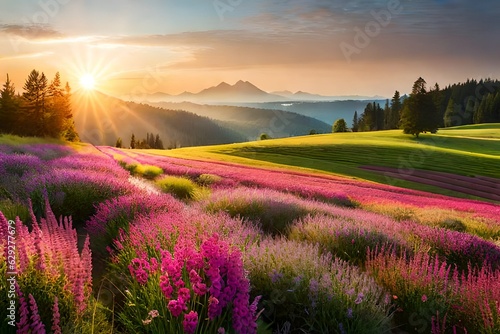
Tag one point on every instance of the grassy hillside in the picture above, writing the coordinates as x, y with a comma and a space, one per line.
491, 130
467, 151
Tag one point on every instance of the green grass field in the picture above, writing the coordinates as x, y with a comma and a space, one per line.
468, 150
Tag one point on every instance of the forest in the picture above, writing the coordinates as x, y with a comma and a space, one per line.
472, 102
43, 109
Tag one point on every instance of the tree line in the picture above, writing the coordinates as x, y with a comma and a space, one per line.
426, 110
42, 110
150, 142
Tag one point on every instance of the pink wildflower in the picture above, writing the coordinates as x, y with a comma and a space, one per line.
194, 277
138, 269
359, 299
190, 322
200, 289
180, 284
184, 294
154, 265
56, 318
36, 323
23, 324
176, 307
213, 309
165, 286
424, 298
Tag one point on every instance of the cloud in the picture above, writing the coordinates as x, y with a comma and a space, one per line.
235, 48
29, 55
31, 32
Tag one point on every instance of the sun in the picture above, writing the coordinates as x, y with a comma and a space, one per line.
87, 82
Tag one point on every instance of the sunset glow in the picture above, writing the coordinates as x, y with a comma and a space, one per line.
87, 82
335, 48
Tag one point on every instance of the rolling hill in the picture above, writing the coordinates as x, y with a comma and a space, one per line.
101, 119
462, 151
251, 122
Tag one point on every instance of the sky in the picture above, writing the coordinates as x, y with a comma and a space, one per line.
329, 47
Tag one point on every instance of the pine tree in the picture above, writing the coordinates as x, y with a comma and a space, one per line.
419, 112
452, 114
367, 118
395, 115
355, 122
35, 94
158, 143
69, 129
387, 115
495, 108
9, 109
56, 108
151, 140
132, 141
379, 117
119, 143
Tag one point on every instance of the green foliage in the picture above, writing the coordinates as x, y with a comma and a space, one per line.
43, 110
75, 199
132, 141
9, 107
273, 216
339, 126
452, 115
147, 171
345, 241
372, 118
180, 187
453, 224
150, 142
264, 136
314, 292
394, 116
12, 209
206, 180
355, 122
419, 112
119, 143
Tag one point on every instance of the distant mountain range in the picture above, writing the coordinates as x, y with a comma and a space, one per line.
101, 119
244, 91
305, 97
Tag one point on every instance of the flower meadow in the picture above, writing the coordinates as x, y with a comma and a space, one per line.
110, 240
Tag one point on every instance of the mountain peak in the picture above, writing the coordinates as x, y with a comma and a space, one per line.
223, 84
